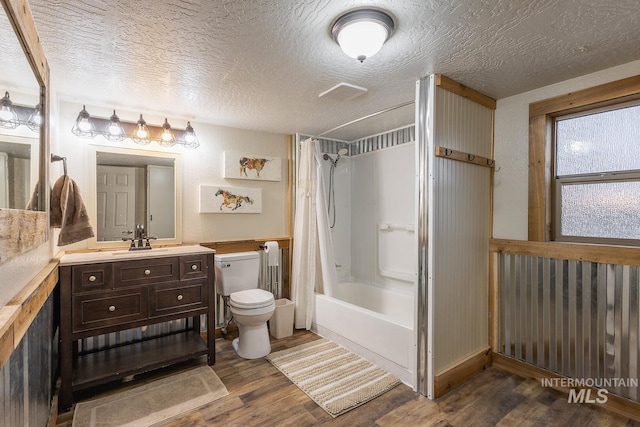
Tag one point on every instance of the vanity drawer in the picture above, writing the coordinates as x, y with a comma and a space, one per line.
91, 277
146, 271
193, 267
172, 298
109, 308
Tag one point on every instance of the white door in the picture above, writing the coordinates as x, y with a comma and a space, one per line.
116, 202
161, 202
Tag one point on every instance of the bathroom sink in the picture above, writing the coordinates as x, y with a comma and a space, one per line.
140, 252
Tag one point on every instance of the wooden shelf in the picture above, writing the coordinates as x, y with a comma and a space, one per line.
114, 364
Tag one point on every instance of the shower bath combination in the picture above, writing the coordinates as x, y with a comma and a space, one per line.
331, 202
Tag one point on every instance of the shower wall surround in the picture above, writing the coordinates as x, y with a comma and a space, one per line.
374, 189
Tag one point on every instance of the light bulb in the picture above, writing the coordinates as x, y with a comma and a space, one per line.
5, 114
166, 137
114, 129
84, 125
141, 134
189, 134
114, 125
8, 116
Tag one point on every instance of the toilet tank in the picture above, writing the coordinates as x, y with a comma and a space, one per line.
237, 272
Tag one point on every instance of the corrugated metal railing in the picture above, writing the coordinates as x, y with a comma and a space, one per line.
579, 319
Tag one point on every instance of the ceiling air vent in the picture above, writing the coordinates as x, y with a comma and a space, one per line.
343, 92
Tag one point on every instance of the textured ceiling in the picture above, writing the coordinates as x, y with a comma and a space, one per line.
261, 64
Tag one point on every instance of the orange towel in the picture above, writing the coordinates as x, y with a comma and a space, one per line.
68, 212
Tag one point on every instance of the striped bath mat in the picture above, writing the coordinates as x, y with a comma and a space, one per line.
335, 378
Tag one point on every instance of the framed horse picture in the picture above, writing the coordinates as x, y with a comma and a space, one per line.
221, 199
244, 166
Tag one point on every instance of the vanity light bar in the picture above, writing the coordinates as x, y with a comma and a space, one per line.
12, 115
114, 129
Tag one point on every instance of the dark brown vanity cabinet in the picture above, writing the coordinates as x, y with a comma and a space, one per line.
98, 297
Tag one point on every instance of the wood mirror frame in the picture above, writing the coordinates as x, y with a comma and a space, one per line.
23, 230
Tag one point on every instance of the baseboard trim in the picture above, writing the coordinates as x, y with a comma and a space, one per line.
617, 404
454, 376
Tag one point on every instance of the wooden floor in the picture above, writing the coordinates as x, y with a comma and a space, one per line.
259, 395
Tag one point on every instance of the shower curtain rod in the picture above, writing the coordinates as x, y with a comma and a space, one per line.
386, 110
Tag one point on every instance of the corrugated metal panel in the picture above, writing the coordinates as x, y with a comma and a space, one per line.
114, 339
459, 230
385, 140
25, 380
367, 145
579, 319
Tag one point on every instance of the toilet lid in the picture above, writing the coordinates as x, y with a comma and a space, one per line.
252, 298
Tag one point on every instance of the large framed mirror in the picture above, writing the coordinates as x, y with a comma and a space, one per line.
132, 188
24, 149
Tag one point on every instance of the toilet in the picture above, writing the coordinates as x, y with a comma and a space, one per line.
250, 307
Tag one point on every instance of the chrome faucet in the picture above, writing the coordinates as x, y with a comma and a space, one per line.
140, 234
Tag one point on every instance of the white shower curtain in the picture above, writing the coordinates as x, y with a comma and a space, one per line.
313, 264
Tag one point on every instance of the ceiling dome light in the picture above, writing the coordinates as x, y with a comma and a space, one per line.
362, 32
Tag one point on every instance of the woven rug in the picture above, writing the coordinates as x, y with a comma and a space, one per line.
335, 378
154, 403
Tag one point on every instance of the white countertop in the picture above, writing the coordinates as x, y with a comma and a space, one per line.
125, 255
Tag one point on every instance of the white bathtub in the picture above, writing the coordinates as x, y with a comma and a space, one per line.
374, 322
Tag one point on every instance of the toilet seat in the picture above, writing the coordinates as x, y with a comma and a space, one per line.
251, 299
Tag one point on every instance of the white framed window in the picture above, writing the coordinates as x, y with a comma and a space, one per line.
597, 176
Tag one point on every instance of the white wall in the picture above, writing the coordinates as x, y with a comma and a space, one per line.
203, 165
510, 206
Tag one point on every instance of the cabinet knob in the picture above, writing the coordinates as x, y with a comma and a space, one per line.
194, 267
92, 278
147, 272
180, 297
112, 308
